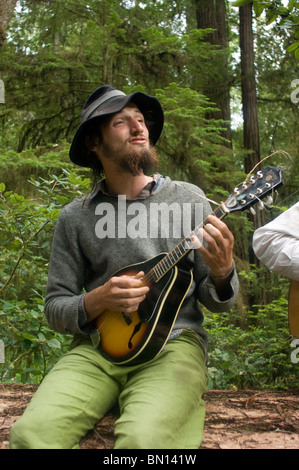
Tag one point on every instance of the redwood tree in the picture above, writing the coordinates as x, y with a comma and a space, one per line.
248, 84
212, 14
6, 10
249, 97
251, 139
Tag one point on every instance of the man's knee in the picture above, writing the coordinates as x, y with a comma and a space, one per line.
20, 435
33, 432
140, 434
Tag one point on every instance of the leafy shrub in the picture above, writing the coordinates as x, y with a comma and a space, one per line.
26, 229
256, 355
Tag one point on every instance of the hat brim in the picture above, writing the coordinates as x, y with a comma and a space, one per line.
148, 105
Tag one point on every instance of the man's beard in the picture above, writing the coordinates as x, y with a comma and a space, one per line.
135, 161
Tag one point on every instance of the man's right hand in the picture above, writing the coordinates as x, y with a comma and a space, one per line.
120, 293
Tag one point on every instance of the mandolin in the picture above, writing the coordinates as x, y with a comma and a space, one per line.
294, 308
139, 336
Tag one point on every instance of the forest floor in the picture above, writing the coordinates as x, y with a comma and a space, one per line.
242, 419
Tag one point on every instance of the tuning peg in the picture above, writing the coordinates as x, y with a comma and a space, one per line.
260, 205
253, 212
269, 200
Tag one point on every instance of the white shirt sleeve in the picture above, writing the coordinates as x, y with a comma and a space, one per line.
277, 243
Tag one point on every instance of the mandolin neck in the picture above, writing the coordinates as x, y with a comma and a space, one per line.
180, 250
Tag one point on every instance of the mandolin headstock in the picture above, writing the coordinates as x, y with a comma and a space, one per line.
255, 189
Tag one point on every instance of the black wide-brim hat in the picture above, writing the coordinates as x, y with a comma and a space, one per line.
107, 100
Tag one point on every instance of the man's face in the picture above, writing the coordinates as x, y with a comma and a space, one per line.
125, 141
126, 129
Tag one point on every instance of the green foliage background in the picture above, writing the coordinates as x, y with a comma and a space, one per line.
55, 55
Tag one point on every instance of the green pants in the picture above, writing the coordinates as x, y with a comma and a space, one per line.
160, 402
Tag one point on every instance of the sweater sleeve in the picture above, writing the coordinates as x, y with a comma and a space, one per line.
64, 294
209, 298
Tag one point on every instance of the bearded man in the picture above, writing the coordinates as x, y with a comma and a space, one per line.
134, 311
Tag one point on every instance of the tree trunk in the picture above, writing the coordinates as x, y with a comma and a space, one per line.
6, 10
249, 98
250, 118
212, 14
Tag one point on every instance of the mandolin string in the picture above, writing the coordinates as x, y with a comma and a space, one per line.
285, 154
112, 315
172, 258
177, 253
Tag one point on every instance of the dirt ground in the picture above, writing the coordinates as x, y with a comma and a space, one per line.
250, 419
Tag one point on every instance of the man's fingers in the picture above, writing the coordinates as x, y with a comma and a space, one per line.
217, 224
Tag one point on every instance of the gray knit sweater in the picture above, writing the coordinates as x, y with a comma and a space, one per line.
95, 238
